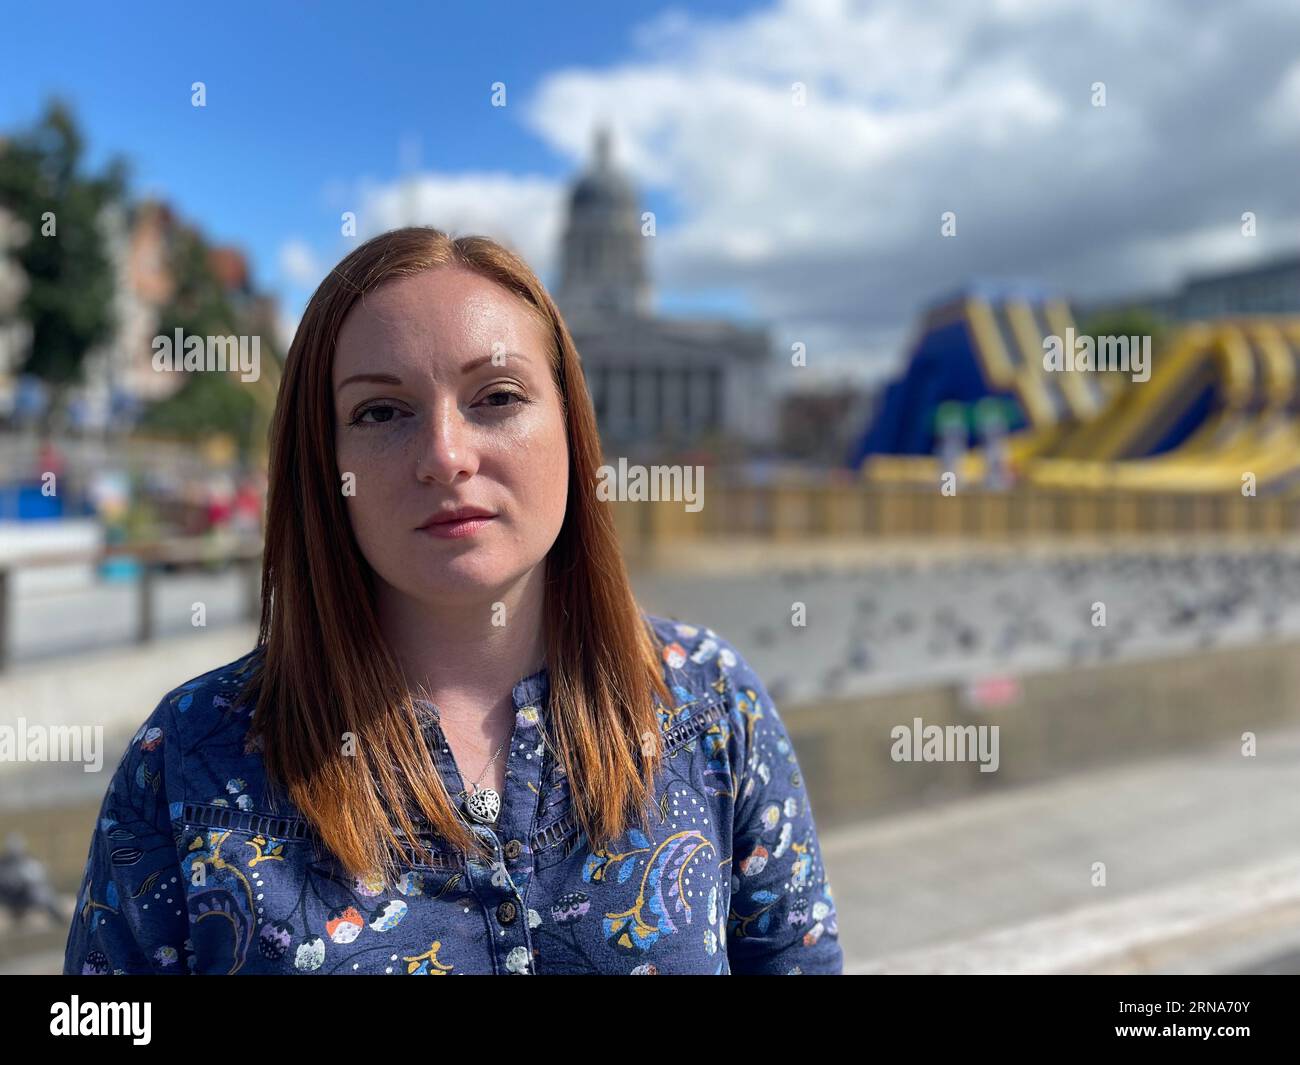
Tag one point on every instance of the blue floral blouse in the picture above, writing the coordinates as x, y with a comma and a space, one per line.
195, 867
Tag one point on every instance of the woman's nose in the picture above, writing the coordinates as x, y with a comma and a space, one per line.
446, 445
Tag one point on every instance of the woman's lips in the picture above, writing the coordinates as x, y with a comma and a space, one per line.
451, 530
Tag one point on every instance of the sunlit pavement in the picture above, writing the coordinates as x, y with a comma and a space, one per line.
1202, 866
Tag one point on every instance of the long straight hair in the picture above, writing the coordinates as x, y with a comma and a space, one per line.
327, 673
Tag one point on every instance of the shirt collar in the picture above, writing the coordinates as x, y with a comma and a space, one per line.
532, 690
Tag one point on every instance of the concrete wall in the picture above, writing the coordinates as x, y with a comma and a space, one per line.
1063, 721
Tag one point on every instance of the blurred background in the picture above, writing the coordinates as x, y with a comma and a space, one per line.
816, 249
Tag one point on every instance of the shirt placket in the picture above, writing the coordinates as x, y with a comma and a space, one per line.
501, 883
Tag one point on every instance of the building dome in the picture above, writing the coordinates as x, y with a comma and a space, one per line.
603, 267
603, 187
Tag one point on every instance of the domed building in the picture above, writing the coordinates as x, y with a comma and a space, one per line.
657, 383
603, 253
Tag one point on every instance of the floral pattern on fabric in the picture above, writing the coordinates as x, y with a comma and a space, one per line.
197, 865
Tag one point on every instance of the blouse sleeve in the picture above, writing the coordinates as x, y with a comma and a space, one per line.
782, 918
131, 910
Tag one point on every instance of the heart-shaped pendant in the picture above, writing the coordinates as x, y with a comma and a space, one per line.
483, 805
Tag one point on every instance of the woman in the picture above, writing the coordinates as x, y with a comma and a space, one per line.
459, 746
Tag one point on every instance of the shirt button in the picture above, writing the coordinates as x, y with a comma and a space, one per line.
513, 848
506, 912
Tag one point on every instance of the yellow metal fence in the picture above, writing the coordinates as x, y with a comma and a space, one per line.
799, 512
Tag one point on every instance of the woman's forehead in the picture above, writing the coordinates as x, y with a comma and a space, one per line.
424, 321
444, 299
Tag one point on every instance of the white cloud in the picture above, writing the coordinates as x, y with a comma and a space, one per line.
286, 326
830, 213
299, 265
1281, 112
827, 216
525, 213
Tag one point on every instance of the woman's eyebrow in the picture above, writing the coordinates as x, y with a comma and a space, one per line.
377, 378
393, 379
474, 364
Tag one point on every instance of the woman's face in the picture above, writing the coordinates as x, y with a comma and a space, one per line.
443, 398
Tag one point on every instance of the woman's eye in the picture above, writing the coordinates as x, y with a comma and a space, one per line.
382, 413
504, 395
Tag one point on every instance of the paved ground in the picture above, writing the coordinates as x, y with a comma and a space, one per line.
875, 622
116, 688
929, 619
1202, 861
51, 624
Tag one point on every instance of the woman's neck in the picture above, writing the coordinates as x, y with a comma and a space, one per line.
467, 657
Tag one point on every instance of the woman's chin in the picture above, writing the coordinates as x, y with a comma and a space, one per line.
463, 579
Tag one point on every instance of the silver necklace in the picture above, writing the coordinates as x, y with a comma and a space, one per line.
484, 804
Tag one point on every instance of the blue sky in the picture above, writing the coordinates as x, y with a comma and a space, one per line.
816, 211
305, 99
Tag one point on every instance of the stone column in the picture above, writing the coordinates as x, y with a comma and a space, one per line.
645, 400
697, 398
616, 403
674, 401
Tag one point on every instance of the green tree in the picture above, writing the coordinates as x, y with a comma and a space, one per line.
208, 403
69, 302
